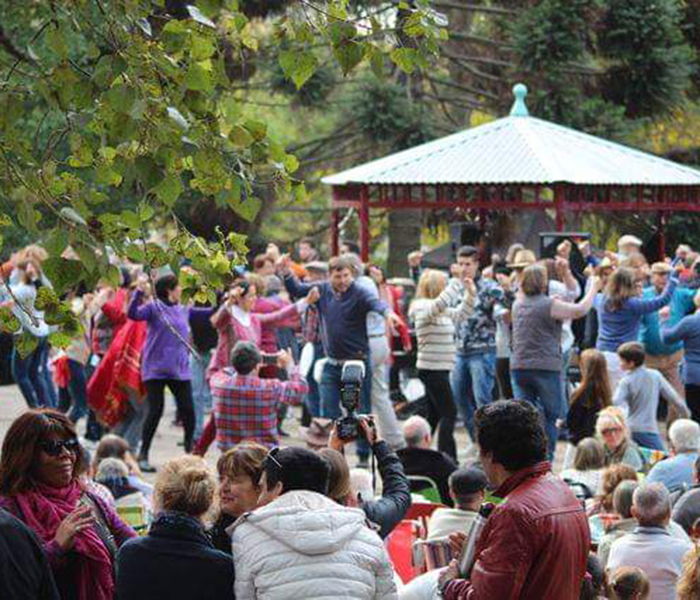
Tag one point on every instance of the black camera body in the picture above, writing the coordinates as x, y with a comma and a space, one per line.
352, 376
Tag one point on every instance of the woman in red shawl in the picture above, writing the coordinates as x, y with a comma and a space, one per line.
39, 484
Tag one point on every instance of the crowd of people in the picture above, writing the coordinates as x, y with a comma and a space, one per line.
593, 357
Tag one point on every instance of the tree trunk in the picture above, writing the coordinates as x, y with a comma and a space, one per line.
404, 237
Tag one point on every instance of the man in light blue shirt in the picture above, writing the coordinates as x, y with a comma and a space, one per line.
676, 472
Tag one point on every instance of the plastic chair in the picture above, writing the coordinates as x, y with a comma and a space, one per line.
426, 487
417, 510
399, 545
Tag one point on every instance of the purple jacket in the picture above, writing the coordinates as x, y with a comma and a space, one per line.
164, 355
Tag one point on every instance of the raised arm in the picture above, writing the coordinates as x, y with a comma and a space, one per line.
675, 333
564, 311
137, 310
642, 306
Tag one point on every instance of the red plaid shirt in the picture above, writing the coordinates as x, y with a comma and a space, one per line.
245, 406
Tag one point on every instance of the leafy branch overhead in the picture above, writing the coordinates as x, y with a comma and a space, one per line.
113, 112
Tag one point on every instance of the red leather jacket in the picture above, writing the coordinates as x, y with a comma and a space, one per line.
533, 547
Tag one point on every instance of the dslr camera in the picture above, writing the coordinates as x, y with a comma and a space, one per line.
351, 379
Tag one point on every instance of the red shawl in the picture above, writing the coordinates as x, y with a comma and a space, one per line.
119, 371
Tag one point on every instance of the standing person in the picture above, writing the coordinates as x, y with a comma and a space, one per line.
535, 544
620, 313
665, 358
591, 396
307, 251
639, 391
474, 374
176, 560
32, 371
301, 544
687, 332
536, 361
165, 358
437, 307
40, 485
650, 546
343, 307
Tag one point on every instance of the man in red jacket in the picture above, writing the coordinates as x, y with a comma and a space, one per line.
535, 544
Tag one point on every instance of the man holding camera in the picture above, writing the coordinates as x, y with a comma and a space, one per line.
388, 510
343, 307
245, 406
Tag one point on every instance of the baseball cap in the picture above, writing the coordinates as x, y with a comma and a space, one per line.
467, 481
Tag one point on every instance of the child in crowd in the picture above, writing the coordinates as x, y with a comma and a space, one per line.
628, 583
638, 393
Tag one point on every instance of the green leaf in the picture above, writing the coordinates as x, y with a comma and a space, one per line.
113, 276
27, 216
298, 66
86, 254
291, 163
59, 339
169, 189
25, 344
299, 191
201, 47
63, 273
348, 54
257, 129
56, 40
135, 253
46, 299
198, 78
121, 97
57, 242
8, 322
5, 220
240, 136
405, 59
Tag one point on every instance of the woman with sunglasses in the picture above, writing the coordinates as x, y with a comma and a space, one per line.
40, 484
611, 429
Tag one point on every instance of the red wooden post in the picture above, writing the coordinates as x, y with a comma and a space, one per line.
364, 224
662, 235
560, 218
335, 231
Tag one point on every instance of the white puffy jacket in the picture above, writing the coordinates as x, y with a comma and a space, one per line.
302, 546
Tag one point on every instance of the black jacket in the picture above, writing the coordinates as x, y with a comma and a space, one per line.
686, 510
218, 535
388, 510
176, 561
430, 463
24, 569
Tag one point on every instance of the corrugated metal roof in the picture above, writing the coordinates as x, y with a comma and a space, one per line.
520, 149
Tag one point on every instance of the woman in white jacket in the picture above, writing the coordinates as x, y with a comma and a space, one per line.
301, 545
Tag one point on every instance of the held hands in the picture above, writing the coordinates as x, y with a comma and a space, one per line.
283, 264
284, 360
80, 519
596, 283
273, 252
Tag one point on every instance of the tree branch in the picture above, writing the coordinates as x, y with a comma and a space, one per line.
498, 10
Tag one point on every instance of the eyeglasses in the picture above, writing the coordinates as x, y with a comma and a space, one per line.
610, 430
54, 448
271, 455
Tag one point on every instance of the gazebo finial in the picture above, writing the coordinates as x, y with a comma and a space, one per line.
519, 107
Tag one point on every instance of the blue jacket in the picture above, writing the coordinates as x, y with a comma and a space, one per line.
650, 334
176, 560
688, 333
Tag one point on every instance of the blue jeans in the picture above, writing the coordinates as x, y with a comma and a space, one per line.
201, 395
330, 398
648, 439
31, 378
543, 389
473, 379
313, 397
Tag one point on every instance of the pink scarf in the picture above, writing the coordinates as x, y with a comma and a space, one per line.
43, 509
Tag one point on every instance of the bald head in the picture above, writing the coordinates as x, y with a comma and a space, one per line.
416, 432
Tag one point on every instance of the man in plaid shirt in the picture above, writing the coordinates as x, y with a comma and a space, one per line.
245, 406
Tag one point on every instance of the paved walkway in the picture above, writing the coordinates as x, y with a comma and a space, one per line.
165, 446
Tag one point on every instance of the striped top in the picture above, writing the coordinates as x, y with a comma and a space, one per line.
434, 321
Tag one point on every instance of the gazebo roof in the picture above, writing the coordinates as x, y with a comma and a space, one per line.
519, 149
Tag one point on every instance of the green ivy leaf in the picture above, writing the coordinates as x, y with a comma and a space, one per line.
59, 339
63, 273
198, 78
405, 59
8, 322
348, 54
169, 189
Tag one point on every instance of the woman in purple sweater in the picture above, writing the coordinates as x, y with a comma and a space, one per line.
40, 485
165, 357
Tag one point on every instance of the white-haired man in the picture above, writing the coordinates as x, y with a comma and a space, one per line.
418, 458
650, 546
676, 472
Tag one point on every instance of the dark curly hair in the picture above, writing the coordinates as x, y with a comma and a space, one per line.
512, 432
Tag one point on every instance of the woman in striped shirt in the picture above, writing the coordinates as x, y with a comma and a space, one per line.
437, 308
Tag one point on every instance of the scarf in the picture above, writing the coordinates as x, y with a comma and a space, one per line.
44, 508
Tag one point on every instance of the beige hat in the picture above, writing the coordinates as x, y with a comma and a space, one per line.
523, 259
661, 268
605, 263
626, 240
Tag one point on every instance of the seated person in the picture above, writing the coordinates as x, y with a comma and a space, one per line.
686, 510
299, 544
467, 490
114, 475
387, 511
419, 459
589, 462
113, 446
676, 472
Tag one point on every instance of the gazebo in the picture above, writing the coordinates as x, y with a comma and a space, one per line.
515, 163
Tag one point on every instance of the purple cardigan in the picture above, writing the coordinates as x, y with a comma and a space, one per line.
164, 355
120, 530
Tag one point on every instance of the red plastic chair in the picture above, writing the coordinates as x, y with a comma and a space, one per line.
421, 509
399, 545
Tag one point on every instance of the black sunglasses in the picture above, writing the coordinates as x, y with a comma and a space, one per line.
54, 448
